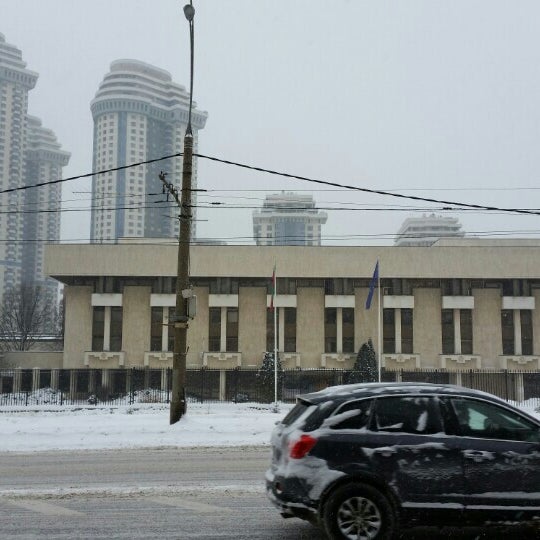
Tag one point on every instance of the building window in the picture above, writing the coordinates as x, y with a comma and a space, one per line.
223, 329
223, 285
161, 333
465, 323
330, 330
286, 329
232, 329
389, 331
398, 331
290, 330
507, 327
214, 331
457, 336
270, 342
107, 328
517, 331
348, 329
98, 328
526, 332
407, 331
447, 326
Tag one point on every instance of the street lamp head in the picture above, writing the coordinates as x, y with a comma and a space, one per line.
189, 12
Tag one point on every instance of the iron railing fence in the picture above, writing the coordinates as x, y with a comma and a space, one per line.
24, 387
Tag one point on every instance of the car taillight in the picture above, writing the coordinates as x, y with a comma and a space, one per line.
302, 446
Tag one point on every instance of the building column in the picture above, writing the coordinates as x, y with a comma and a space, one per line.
222, 384
517, 332
105, 379
35, 379
17, 379
72, 384
339, 330
107, 328
55, 375
457, 331
164, 386
165, 332
397, 322
223, 334
519, 388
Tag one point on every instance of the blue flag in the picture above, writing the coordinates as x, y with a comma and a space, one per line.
372, 285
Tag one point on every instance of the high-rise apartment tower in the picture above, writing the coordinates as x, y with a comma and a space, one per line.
288, 219
29, 154
425, 230
44, 162
139, 114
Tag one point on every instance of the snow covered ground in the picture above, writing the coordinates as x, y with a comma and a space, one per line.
39, 428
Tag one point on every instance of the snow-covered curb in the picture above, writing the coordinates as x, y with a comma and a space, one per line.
43, 428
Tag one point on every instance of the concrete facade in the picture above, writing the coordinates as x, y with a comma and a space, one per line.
487, 278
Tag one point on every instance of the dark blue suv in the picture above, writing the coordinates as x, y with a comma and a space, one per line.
362, 460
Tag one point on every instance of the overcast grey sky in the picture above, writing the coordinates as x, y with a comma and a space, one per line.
417, 96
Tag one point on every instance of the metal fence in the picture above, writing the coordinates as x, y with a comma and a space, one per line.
26, 387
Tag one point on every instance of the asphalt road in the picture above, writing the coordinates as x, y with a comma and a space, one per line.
204, 493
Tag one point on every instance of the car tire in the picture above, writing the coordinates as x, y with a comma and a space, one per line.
358, 512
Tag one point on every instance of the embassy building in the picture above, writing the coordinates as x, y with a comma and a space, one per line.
455, 305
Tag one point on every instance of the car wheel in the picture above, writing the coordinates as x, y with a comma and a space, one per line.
358, 512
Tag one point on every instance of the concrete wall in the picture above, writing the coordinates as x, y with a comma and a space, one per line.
31, 359
310, 325
487, 332
78, 325
252, 325
136, 316
426, 326
198, 329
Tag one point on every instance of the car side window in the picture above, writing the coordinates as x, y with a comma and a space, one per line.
417, 415
489, 421
351, 415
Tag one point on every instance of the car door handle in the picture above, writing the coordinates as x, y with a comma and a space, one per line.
478, 455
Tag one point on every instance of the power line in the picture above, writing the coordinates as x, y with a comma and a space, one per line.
366, 190
89, 175
286, 175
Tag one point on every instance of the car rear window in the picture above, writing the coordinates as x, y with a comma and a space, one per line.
295, 412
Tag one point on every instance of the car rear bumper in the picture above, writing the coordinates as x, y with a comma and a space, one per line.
289, 495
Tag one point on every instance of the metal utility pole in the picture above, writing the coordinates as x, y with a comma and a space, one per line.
183, 288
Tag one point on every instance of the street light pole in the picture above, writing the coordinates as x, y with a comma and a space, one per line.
178, 397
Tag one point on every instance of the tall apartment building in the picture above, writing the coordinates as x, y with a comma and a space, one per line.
139, 114
15, 83
426, 230
29, 154
288, 219
44, 162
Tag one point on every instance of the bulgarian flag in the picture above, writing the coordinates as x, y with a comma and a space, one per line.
273, 289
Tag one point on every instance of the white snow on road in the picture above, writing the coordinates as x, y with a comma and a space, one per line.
41, 428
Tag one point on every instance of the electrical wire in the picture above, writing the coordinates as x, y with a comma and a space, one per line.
287, 175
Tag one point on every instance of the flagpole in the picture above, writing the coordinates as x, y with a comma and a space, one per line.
379, 321
275, 340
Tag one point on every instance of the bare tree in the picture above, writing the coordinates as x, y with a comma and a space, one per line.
26, 315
